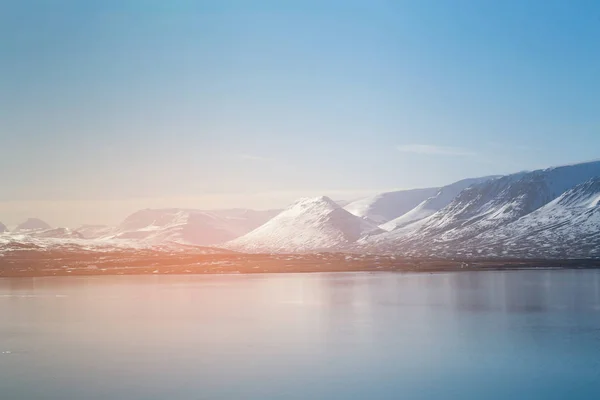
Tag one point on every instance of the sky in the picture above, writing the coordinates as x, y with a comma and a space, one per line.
107, 107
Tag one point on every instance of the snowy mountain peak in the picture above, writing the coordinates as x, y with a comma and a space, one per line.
312, 201
3, 228
309, 224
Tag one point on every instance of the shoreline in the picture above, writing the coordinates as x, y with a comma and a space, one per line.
68, 263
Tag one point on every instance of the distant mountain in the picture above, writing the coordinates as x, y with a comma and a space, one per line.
32, 224
481, 208
95, 231
189, 226
3, 228
60, 242
441, 199
384, 207
310, 224
56, 233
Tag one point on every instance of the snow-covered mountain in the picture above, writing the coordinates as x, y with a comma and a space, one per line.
441, 199
485, 207
384, 207
147, 228
49, 241
57, 233
189, 226
310, 224
568, 226
95, 231
3, 228
32, 224
41, 239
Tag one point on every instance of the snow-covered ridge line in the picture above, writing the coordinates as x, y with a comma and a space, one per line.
494, 209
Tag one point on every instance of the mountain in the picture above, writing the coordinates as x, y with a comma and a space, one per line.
484, 207
310, 224
568, 226
441, 199
56, 233
95, 231
189, 226
54, 246
3, 228
32, 224
384, 207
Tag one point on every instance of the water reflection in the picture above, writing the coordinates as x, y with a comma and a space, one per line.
495, 335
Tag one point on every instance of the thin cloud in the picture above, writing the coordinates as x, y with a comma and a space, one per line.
427, 149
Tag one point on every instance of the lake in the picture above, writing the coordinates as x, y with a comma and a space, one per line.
468, 335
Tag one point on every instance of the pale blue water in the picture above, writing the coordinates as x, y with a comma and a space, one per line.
486, 335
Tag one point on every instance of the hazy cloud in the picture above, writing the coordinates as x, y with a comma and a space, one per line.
428, 149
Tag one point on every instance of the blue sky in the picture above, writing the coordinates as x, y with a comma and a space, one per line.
111, 106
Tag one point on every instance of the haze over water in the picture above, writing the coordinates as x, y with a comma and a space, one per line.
473, 335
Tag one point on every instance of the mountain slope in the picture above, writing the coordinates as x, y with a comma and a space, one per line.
3, 228
483, 207
190, 226
56, 233
95, 231
441, 199
568, 226
310, 224
384, 207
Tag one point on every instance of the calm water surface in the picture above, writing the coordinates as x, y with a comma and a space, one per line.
486, 335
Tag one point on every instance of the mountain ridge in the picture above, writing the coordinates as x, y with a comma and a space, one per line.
483, 207
442, 198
